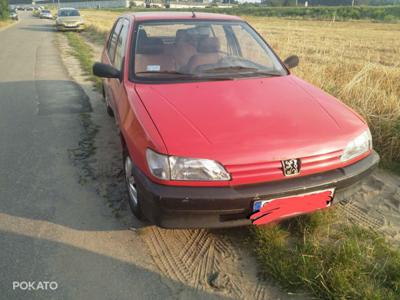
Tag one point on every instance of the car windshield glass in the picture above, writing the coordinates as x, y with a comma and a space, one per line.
45, 11
68, 13
202, 50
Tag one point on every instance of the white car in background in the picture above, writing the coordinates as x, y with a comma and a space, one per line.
46, 14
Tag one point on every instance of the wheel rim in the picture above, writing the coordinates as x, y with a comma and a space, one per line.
130, 180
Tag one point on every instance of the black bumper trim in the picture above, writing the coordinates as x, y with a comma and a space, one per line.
193, 207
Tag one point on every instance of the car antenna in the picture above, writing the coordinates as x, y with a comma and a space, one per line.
193, 14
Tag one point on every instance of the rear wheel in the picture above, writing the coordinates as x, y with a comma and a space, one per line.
134, 195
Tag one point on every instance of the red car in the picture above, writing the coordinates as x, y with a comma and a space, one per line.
215, 129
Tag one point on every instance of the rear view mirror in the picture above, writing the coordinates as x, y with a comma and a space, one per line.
105, 71
292, 61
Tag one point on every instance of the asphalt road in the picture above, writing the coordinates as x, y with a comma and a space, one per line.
53, 227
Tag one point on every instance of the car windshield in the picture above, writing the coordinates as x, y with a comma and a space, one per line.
201, 50
45, 11
68, 13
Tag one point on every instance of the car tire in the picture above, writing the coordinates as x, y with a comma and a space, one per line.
110, 111
134, 194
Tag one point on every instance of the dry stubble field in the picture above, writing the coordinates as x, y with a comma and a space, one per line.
358, 62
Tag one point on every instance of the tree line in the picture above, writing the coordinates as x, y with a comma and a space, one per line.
3, 9
329, 2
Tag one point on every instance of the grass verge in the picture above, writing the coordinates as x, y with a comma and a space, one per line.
4, 23
84, 53
328, 259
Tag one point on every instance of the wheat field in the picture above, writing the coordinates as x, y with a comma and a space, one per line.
357, 62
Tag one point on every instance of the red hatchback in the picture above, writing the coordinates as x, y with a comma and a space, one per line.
216, 131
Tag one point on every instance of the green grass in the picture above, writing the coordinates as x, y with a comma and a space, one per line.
84, 53
94, 35
317, 254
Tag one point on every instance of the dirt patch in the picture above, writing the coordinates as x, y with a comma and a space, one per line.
98, 155
377, 205
210, 260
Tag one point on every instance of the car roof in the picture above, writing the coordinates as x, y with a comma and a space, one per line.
160, 15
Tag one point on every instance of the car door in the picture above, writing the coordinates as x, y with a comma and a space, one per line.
117, 85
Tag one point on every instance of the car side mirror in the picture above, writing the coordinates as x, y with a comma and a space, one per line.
105, 71
292, 61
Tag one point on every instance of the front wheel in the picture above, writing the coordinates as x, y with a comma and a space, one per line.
110, 111
134, 195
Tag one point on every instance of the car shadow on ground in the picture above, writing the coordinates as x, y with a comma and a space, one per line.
81, 273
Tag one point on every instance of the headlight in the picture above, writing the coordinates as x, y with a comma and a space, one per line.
181, 168
358, 146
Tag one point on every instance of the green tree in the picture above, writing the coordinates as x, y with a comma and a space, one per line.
3, 9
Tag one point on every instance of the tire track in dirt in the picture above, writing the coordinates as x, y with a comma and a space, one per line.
376, 205
195, 257
207, 261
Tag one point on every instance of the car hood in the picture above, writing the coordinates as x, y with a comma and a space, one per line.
249, 120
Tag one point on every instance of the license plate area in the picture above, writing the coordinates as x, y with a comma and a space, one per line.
266, 211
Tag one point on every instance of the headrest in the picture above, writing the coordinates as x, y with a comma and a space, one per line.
180, 35
142, 35
208, 45
150, 46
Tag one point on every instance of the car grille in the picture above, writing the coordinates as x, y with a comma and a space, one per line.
269, 171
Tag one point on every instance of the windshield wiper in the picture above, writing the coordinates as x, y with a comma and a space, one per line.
164, 72
230, 68
243, 71
188, 76
264, 73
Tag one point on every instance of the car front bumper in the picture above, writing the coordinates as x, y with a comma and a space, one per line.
218, 207
62, 27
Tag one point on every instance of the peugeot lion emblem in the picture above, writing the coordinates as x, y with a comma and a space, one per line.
291, 167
